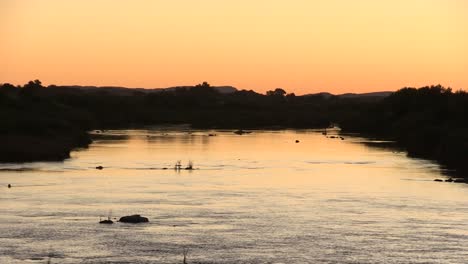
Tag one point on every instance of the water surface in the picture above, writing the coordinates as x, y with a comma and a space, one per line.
253, 198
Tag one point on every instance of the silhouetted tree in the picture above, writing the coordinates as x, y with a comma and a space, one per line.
36, 84
204, 85
7, 87
290, 96
276, 92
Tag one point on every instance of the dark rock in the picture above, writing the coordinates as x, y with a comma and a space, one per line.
297, 141
133, 219
342, 138
460, 180
107, 221
99, 167
449, 180
333, 137
9, 185
438, 180
241, 132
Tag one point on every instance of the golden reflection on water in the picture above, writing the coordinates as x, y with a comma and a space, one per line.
251, 198
314, 160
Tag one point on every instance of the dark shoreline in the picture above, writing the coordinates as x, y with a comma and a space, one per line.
30, 148
58, 148
46, 123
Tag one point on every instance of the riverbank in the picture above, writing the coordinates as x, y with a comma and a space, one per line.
28, 148
46, 123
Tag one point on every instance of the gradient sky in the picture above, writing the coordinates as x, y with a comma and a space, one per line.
303, 46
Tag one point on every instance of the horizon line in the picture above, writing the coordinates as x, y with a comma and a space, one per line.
238, 89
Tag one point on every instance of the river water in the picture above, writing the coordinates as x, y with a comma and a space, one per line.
252, 198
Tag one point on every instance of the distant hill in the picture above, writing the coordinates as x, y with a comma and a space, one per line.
354, 95
373, 94
124, 91
322, 94
220, 89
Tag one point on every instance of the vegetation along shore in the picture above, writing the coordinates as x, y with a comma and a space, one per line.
46, 123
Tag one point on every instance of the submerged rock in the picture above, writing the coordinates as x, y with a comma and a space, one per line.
107, 221
133, 219
438, 180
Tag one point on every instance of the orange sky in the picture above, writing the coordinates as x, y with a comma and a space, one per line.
303, 46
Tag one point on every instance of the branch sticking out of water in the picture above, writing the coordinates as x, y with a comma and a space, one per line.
185, 252
189, 166
178, 165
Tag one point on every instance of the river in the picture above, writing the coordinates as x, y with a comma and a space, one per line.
254, 198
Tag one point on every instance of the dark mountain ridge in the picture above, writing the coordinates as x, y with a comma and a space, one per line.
125, 91
128, 91
354, 95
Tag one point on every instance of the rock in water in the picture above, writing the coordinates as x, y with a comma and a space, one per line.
133, 219
241, 132
107, 221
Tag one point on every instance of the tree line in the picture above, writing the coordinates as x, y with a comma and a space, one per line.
429, 122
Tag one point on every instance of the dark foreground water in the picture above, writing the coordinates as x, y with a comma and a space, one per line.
254, 198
